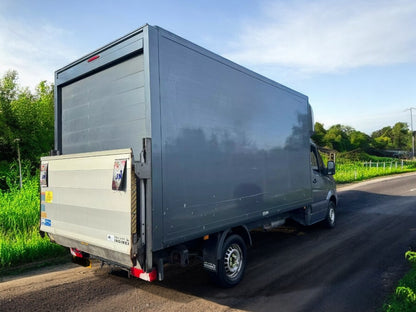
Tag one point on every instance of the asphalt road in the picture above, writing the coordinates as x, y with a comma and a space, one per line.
352, 267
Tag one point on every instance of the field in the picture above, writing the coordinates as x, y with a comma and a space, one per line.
347, 172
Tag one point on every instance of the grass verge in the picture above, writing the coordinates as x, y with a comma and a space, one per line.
20, 241
404, 298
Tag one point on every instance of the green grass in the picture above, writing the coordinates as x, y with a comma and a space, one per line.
404, 298
20, 241
347, 172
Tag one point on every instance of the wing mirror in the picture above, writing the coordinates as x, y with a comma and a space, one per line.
330, 168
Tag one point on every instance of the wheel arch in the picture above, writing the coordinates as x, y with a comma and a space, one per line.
334, 199
332, 196
241, 231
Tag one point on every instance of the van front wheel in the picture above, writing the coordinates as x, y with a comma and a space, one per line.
232, 263
329, 221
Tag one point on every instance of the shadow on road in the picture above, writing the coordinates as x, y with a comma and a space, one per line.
352, 266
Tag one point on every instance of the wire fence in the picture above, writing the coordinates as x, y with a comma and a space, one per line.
358, 171
387, 164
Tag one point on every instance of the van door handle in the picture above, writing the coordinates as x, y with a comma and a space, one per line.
314, 181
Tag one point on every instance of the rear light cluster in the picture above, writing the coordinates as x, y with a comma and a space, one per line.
80, 257
76, 252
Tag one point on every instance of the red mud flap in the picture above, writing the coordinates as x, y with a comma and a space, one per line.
150, 277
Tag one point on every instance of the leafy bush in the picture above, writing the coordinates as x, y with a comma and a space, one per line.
26, 118
360, 155
411, 256
404, 298
9, 174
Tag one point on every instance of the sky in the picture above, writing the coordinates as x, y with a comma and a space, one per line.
355, 60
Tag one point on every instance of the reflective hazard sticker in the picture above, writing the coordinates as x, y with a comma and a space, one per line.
48, 197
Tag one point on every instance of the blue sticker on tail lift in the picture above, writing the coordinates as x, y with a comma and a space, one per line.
46, 222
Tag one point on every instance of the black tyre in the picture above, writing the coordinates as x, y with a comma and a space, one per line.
329, 221
232, 263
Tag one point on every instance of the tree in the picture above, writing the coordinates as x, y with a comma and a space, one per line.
337, 138
396, 137
382, 143
25, 116
401, 136
8, 93
319, 134
345, 138
384, 132
360, 140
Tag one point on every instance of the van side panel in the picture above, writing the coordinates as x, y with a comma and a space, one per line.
235, 145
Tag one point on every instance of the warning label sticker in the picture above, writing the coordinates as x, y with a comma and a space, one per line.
48, 197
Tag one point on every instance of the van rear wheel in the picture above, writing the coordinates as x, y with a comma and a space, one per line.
232, 263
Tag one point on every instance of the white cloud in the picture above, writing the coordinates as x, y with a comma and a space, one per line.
34, 50
328, 36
